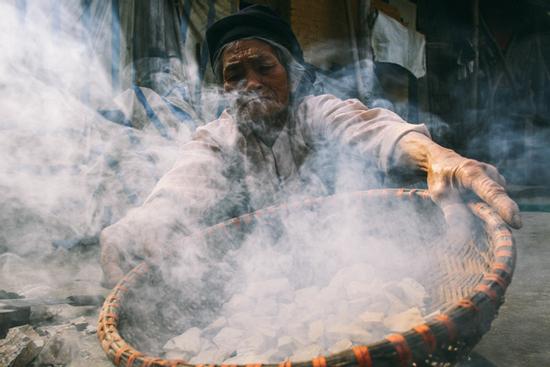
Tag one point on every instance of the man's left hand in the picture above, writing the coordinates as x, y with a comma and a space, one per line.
451, 176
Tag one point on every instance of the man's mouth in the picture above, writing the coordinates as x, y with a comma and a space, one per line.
260, 99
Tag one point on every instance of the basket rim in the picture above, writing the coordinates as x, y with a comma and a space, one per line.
456, 330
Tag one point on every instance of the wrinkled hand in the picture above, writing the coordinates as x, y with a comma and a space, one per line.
450, 176
119, 255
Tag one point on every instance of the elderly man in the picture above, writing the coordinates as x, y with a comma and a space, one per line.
275, 141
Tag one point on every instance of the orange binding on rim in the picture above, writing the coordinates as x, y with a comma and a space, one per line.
458, 328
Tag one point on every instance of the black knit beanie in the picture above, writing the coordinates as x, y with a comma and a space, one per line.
253, 21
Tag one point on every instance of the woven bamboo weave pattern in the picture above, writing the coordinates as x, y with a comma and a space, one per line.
469, 289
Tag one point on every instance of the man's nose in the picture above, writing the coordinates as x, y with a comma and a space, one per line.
253, 81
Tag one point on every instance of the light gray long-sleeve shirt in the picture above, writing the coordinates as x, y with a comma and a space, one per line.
226, 170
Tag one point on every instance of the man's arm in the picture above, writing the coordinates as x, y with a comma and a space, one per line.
371, 133
383, 137
182, 202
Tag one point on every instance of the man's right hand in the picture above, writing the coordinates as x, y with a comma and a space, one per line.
111, 257
121, 251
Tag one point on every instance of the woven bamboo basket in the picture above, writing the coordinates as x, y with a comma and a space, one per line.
468, 286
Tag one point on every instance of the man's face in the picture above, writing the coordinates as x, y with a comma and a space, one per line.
251, 69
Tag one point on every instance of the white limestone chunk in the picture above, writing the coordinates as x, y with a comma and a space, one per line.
254, 343
227, 336
395, 304
355, 289
404, 321
359, 305
287, 344
185, 345
211, 355
340, 346
307, 352
316, 330
266, 307
371, 319
355, 333
278, 288
414, 292
245, 358
215, 325
304, 296
237, 303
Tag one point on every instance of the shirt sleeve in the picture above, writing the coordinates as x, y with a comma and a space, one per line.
191, 196
371, 132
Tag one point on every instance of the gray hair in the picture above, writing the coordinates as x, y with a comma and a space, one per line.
300, 79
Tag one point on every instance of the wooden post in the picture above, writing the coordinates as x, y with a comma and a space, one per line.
156, 42
361, 91
475, 79
365, 52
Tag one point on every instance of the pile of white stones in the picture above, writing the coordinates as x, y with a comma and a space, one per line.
272, 320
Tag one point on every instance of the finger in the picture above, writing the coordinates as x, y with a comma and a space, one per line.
458, 217
492, 171
153, 255
110, 264
112, 273
495, 195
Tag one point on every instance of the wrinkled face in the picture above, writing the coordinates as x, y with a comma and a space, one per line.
251, 69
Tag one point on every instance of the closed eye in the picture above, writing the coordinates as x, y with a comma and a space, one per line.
265, 68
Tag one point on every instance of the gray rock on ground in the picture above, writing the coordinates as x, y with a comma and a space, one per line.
20, 346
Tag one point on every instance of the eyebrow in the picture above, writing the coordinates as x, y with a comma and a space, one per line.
257, 57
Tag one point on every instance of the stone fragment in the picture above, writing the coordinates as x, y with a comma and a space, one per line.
265, 307
403, 321
20, 346
299, 332
304, 296
359, 305
414, 292
360, 272
80, 323
271, 356
185, 345
267, 326
215, 326
372, 321
240, 320
245, 358
395, 304
369, 316
251, 344
211, 355
353, 332
316, 330
340, 346
286, 311
228, 336
238, 302
287, 344
306, 353
355, 289
278, 288
61, 348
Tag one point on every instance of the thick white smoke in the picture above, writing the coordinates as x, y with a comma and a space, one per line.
67, 172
